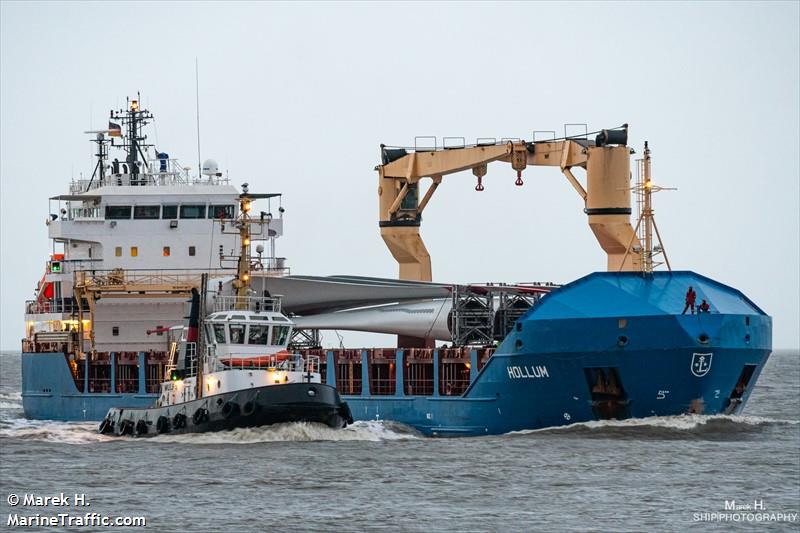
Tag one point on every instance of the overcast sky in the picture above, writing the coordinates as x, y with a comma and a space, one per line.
297, 97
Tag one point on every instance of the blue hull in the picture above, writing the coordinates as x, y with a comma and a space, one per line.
545, 371
49, 392
657, 384
538, 377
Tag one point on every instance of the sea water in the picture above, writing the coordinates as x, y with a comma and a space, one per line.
655, 474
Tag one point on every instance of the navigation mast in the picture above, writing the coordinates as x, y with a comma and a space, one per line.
646, 223
134, 118
244, 225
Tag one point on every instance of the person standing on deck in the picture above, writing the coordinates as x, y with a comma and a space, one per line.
691, 297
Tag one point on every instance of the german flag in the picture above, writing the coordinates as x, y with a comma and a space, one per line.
114, 130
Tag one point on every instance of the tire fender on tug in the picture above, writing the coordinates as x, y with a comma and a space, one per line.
230, 409
126, 427
141, 428
162, 424
249, 408
106, 426
179, 421
200, 416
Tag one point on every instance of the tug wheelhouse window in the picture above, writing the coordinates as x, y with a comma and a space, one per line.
257, 334
146, 212
193, 211
219, 333
237, 333
220, 211
279, 334
118, 212
169, 211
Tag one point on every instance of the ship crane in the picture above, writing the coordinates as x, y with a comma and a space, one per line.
607, 197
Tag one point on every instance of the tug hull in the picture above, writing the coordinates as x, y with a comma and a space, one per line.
261, 406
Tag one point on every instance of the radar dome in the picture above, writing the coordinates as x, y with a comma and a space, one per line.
210, 168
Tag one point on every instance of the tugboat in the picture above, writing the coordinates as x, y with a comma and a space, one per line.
231, 368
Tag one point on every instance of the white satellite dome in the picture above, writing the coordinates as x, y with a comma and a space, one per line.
210, 168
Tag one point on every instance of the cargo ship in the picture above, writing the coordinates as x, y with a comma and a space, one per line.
636, 340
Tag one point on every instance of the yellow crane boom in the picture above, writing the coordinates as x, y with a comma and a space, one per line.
607, 196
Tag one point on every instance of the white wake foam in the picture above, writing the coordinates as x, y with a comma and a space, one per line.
297, 432
677, 422
86, 433
10, 400
52, 431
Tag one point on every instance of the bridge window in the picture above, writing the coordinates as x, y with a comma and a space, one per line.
257, 334
279, 335
118, 212
220, 211
237, 333
219, 333
169, 211
193, 211
146, 212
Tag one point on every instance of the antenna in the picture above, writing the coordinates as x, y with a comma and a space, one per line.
197, 102
646, 223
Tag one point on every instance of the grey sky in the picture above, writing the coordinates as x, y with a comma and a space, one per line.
296, 98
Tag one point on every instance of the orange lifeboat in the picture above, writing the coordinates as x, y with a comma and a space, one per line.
260, 361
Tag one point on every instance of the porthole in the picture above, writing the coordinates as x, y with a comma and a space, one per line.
703, 338
519, 326
747, 339
622, 340
518, 344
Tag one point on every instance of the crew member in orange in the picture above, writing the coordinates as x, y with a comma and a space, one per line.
691, 297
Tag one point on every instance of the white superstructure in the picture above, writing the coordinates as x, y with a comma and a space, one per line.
144, 213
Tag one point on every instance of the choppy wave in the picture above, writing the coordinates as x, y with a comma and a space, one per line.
669, 424
299, 432
10, 400
86, 433
51, 431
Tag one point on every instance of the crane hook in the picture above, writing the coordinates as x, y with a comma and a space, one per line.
479, 186
519, 181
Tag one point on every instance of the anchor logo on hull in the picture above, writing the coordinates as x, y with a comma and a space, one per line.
701, 364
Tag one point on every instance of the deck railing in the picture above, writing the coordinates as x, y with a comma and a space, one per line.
150, 174
61, 305
247, 303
